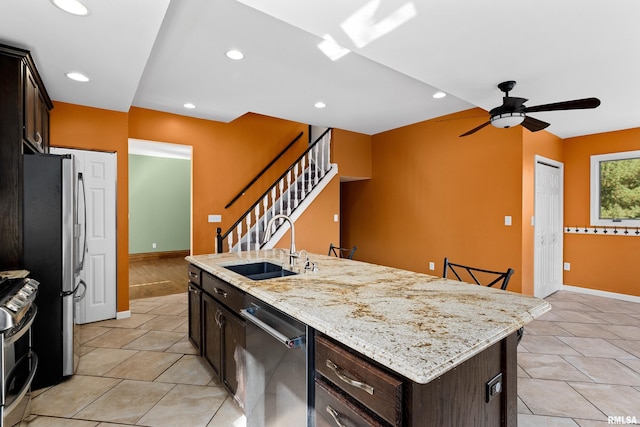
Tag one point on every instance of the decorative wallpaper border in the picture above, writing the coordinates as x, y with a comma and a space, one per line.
604, 231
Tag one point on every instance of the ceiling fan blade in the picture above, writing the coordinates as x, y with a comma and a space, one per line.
576, 104
534, 125
474, 130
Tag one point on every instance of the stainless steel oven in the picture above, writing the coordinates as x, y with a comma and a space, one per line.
18, 362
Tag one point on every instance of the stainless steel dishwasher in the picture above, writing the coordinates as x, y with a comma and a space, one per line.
278, 368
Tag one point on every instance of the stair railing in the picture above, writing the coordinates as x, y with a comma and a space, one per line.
283, 196
266, 168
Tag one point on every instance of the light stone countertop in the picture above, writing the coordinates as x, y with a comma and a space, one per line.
417, 325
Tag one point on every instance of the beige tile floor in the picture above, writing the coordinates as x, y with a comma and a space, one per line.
578, 364
138, 371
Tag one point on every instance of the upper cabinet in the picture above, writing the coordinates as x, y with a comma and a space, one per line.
24, 128
36, 111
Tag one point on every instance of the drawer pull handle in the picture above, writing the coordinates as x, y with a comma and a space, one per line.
194, 290
220, 292
192, 274
364, 386
336, 416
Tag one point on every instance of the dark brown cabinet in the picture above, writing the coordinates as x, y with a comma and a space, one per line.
223, 332
36, 113
195, 308
24, 103
354, 390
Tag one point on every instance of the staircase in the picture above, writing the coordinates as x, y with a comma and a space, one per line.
290, 195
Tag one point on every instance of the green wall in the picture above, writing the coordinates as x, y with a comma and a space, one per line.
159, 204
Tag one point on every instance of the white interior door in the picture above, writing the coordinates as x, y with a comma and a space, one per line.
100, 268
548, 256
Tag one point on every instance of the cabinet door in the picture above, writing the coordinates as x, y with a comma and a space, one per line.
233, 369
212, 333
36, 114
195, 330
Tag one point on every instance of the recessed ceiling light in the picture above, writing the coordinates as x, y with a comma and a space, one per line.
319, 104
73, 7
189, 105
439, 95
235, 54
79, 77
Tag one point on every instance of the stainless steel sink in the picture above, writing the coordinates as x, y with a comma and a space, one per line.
260, 270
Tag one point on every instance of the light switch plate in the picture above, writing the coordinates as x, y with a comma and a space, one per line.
432, 266
507, 220
215, 218
567, 266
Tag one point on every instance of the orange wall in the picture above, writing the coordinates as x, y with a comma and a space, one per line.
87, 128
225, 157
608, 263
352, 153
434, 194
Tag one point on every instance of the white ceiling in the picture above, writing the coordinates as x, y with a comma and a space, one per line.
160, 54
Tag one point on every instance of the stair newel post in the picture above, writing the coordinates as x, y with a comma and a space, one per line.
288, 195
239, 231
218, 240
281, 185
256, 241
303, 177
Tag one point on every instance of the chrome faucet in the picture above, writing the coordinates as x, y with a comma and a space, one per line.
292, 249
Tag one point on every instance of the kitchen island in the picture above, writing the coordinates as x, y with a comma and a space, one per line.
451, 345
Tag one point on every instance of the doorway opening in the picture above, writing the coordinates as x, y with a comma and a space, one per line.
160, 226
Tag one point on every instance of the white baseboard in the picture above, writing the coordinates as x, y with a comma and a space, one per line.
598, 293
123, 314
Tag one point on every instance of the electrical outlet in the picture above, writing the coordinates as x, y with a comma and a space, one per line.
493, 387
432, 266
567, 266
153, 245
335, 218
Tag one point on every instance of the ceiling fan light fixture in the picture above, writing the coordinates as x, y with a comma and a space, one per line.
507, 120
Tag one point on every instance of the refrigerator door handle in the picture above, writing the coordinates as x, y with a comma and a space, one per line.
77, 298
84, 247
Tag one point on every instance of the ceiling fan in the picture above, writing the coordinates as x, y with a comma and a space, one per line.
513, 112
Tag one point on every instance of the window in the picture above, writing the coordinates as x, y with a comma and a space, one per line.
615, 189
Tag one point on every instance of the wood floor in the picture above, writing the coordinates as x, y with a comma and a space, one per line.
157, 277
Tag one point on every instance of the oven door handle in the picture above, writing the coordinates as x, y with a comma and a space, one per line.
24, 327
25, 387
293, 342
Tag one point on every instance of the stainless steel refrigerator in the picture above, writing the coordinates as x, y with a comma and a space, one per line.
54, 248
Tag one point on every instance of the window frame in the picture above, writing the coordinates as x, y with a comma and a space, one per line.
595, 189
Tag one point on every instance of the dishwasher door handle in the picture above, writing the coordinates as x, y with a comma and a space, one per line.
290, 342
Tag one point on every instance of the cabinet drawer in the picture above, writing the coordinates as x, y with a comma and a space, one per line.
195, 275
376, 389
223, 292
336, 410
